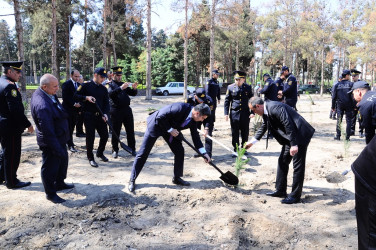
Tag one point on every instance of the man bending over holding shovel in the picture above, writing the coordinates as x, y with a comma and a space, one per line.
168, 122
294, 134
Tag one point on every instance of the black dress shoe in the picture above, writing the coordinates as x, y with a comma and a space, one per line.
179, 181
80, 135
277, 193
55, 198
93, 164
19, 184
337, 138
131, 186
134, 153
72, 149
63, 186
103, 158
290, 200
115, 154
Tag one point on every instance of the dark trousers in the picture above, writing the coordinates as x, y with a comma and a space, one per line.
119, 117
241, 125
353, 122
208, 142
72, 120
144, 151
10, 158
349, 117
284, 161
54, 170
291, 102
80, 123
95, 122
365, 204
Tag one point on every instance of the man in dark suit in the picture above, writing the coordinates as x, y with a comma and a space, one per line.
213, 90
52, 129
120, 111
70, 105
294, 134
168, 122
12, 123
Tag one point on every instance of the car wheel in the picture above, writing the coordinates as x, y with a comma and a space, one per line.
165, 93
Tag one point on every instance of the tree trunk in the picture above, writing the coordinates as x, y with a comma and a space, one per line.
113, 33
34, 69
104, 45
198, 58
148, 56
322, 72
54, 58
20, 44
86, 21
214, 2
67, 43
237, 56
186, 51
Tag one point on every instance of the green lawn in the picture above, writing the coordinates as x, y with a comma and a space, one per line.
32, 86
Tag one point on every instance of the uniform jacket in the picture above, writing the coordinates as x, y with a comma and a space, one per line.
208, 101
213, 90
68, 91
367, 111
290, 88
50, 121
98, 91
236, 101
173, 116
364, 166
341, 96
285, 124
12, 111
270, 90
120, 98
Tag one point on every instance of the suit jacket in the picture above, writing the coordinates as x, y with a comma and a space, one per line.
50, 121
12, 112
285, 124
68, 91
173, 116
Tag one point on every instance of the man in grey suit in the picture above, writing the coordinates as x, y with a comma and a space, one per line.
294, 134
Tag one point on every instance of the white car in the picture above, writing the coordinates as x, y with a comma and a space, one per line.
174, 88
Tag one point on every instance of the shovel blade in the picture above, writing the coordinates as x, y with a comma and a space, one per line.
125, 147
229, 178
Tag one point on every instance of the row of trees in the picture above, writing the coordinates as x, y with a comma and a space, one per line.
306, 35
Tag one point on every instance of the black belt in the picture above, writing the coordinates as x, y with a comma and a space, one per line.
93, 113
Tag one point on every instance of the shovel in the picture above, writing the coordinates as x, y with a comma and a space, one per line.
123, 146
221, 144
227, 177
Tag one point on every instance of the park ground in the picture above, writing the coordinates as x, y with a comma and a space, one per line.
100, 212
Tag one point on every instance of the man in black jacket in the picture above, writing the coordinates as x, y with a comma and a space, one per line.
294, 134
345, 104
213, 90
168, 122
93, 93
270, 89
290, 87
120, 111
12, 123
365, 195
70, 105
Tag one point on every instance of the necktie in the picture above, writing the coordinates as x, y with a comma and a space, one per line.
265, 117
75, 85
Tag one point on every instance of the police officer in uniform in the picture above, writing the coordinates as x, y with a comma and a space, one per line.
120, 111
345, 103
92, 93
213, 90
366, 100
198, 98
333, 114
290, 87
12, 123
270, 89
236, 106
355, 78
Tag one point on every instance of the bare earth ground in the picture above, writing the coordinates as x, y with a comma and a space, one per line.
101, 213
